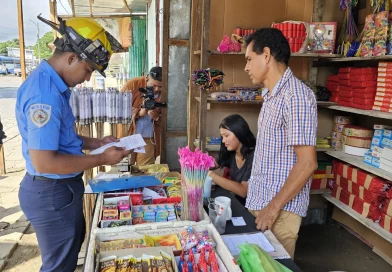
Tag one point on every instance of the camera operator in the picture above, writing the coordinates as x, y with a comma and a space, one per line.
146, 122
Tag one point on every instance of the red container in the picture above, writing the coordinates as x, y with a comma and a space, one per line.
285, 26
290, 33
237, 31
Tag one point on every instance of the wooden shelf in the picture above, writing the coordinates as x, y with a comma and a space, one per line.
365, 221
300, 55
358, 162
352, 59
215, 101
372, 113
256, 102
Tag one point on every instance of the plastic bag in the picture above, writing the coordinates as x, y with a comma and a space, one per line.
253, 259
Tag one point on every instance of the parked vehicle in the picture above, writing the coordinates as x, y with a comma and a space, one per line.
3, 70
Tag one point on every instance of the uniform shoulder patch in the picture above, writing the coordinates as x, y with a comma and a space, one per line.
40, 114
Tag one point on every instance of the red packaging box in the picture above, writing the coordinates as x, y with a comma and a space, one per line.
384, 84
387, 207
344, 93
344, 82
385, 64
365, 95
363, 71
371, 77
365, 209
384, 90
362, 178
344, 88
333, 86
334, 98
318, 184
384, 79
387, 98
362, 101
345, 70
359, 84
386, 222
362, 107
345, 104
360, 191
384, 94
383, 109
345, 99
333, 78
383, 104
344, 76
365, 90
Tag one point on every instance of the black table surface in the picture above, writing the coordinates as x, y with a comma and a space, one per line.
239, 210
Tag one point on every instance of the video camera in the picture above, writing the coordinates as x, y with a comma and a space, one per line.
149, 100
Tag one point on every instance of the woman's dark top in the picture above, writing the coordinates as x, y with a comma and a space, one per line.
241, 174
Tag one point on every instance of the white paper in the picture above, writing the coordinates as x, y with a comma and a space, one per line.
102, 175
233, 241
140, 150
150, 193
238, 221
129, 142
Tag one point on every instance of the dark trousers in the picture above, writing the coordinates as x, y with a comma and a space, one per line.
55, 210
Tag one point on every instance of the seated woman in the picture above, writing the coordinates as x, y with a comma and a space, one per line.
236, 153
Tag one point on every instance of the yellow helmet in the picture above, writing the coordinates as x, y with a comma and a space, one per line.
86, 38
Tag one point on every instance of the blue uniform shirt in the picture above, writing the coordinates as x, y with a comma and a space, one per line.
45, 118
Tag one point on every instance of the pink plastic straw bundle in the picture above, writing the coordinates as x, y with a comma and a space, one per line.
194, 170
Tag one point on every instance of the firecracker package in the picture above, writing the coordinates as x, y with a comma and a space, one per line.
362, 178
386, 222
364, 208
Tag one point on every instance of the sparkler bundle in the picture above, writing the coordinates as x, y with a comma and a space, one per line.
100, 106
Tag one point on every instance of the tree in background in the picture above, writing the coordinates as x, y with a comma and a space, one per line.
10, 43
45, 51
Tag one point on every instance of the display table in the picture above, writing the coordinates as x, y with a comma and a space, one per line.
239, 210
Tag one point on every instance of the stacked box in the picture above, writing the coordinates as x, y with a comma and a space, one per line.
383, 99
337, 134
322, 175
367, 210
333, 87
344, 87
386, 222
363, 87
362, 178
356, 140
382, 138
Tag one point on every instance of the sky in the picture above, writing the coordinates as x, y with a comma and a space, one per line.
31, 8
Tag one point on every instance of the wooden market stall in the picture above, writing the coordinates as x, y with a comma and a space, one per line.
211, 20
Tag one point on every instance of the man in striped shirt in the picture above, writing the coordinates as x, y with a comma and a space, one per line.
285, 155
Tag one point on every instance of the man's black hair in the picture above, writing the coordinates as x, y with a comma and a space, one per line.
156, 73
273, 39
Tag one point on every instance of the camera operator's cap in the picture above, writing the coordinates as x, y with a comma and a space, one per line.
87, 39
156, 73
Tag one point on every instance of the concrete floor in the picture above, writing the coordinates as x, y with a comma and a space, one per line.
330, 247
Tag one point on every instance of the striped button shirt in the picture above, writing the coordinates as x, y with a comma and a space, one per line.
287, 118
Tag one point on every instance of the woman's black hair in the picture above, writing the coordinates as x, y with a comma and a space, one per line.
236, 124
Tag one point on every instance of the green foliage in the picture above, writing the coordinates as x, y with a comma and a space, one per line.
10, 43
45, 50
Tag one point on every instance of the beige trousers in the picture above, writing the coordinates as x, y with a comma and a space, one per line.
145, 158
285, 229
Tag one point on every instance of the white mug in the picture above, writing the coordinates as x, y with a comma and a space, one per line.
225, 203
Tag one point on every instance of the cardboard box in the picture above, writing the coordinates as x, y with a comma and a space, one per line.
380, 246
378, 133
385, 142
356, 151
387, 207
338, 128
386, 153
387, 133
357, 131
368, 158
376, 126
337, 135
357, 141
363, 71
367, 77
386, 222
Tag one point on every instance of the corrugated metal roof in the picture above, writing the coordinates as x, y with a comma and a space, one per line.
107, 7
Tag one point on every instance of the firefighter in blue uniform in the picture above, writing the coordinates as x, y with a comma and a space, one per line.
51, 192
